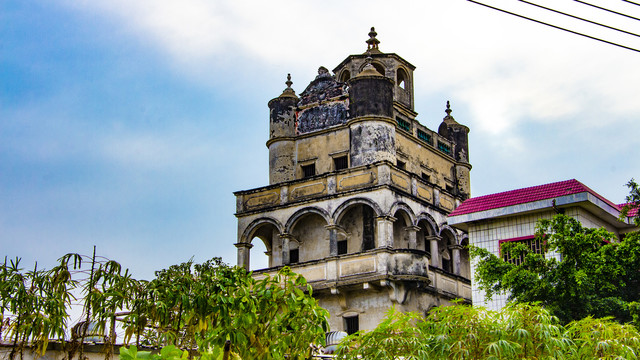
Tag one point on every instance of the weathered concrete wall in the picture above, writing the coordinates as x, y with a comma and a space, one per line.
372, 141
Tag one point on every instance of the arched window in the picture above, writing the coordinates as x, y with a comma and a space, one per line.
402, 78
345, 75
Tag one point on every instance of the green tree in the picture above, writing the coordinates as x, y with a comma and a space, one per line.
633, 202
595, 275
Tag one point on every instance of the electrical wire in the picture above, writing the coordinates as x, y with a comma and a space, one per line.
631, 2
579, 18
608, 10
556, 27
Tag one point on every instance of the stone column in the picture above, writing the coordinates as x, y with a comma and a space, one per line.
243, 254
412, 231
435, 254
385, 231
333, 239
285, 238
455, 258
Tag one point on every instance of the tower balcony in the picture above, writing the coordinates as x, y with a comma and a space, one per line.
378, 268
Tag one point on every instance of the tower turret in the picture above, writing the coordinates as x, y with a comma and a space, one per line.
459, 135
281, 144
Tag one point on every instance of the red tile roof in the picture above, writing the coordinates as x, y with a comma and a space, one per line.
632, 212
526, 195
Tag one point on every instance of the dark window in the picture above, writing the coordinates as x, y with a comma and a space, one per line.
342, 247
341, 162
446, 265
424, 136
294, 256
444, 148
401, 165
426, 177
308, 170
403, 124
449, 188
351, 324
368, 241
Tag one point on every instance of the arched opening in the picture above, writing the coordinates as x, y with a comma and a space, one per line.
345, 75
444, 251
310, 238
424, 235
400, 232
465, 261
379, 67
264, 239
402, 78
358, 222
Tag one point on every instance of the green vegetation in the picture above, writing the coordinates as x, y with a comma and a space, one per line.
519, 331
186, 306
595, 275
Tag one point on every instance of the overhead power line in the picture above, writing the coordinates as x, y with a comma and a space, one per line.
579, 18
631, 2
556, 26
608, 10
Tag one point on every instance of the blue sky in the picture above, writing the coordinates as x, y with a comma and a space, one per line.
128, 124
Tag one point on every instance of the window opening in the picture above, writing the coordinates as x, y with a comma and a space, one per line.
308, 170
351, 324
401, 79
401, 165
426, 177
341, 162
535, 245
423, 135
444, 148
368, 241
294, 256
449, 188
403, 124
342, 247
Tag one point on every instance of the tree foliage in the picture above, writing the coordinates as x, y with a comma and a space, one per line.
633, 202
186, 306
518, 331
594, 274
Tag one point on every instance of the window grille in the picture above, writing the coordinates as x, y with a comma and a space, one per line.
341, 162
424, 136
536, 246
308, 170
444, 148
403, 124
351, 324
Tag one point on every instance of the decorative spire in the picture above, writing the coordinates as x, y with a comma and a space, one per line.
448, 111
372, 42
288, 92
289, 82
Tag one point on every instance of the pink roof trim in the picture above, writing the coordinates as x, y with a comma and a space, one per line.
526, 195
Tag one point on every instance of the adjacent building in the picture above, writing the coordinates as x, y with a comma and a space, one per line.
491, 220
359, 192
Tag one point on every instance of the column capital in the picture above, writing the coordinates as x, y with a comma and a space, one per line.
412, 228
285, 236
386, 218
243, 245
432, 237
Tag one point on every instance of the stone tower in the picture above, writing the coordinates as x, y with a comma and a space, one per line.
359, 193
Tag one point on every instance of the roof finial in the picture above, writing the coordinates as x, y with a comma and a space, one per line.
289, 82
448, 111
288, 92
372, 42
